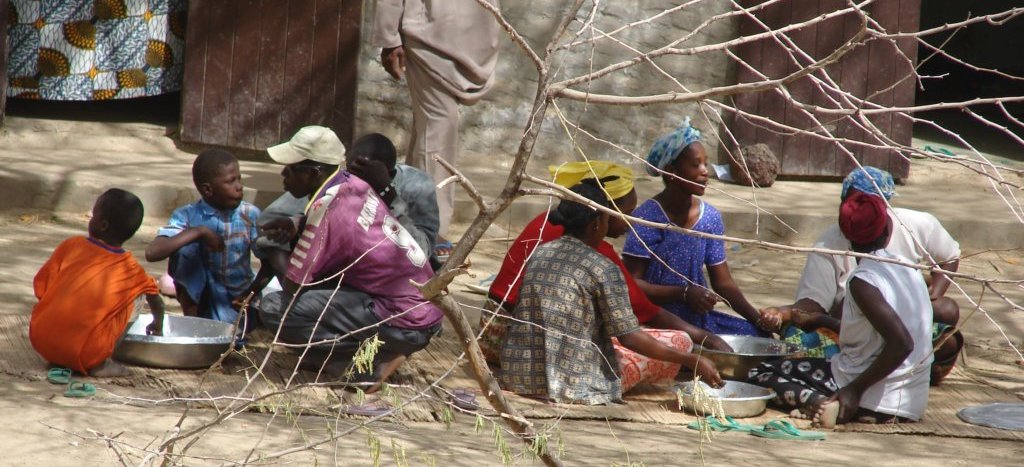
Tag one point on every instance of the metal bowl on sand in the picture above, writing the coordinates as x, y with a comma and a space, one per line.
748, 352
738, 399
187, 342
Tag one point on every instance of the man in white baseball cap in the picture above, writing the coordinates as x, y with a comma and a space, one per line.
309, 158
312, 143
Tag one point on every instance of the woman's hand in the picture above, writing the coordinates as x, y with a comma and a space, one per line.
699, 299
773, 318
708, 373
714, 342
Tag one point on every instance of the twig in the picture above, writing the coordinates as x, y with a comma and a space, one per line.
466, 184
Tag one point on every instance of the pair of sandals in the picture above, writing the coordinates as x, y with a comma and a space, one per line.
775, 429
76, 389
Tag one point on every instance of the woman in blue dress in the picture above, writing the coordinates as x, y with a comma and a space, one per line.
669, 265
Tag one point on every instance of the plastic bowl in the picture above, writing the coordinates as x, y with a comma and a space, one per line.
738, 399
187, 342
748, 352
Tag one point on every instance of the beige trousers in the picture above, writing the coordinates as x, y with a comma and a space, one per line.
435, 122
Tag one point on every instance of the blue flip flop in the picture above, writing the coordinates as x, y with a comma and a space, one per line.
59, 375
781, 429
726, 424
940, 151
80, 389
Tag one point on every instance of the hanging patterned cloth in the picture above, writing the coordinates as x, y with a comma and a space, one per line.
79, 50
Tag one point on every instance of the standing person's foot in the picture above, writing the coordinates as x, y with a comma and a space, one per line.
442, 249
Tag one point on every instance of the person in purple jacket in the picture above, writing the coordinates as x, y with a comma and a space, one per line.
349, 278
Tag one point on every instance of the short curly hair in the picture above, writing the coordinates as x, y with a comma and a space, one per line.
123, 212
205, 167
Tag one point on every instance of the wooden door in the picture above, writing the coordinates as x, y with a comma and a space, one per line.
258, 70
873, 69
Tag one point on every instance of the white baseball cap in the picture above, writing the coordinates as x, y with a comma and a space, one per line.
315, 143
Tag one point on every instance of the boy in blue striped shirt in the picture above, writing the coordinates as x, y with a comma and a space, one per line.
208, 241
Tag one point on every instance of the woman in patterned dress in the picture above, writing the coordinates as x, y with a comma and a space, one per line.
572, 304
617, 182
669, 265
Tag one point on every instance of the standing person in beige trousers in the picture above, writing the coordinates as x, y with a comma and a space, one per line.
446, 51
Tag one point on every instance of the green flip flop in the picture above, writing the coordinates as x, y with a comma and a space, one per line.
714, 424
781, 429
940, 150
80, 389
59, 375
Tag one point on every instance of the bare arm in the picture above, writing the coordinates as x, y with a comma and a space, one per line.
898, 345
940, 282
695, 297
641, 343
156, 306
637, 267
805, 314
263, 277
289, 286
163, 247
701, 337
723, 283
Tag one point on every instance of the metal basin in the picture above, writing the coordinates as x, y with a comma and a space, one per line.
748, 352
738, 399
187, 342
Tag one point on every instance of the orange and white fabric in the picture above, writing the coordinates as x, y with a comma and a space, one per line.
636, 369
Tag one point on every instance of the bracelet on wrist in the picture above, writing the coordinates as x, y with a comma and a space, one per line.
686, 290
388, 189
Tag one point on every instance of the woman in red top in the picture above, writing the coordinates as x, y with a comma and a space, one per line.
504, 292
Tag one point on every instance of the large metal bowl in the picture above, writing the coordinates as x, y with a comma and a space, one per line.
748, 352
187, 342
738, 399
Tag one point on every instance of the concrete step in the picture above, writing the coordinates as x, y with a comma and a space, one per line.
63, 166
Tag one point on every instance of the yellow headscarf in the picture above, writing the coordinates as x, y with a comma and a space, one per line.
571, 173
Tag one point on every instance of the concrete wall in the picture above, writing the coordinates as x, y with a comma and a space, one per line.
492, 127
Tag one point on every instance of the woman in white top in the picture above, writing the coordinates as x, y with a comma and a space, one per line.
813, 320
881, 371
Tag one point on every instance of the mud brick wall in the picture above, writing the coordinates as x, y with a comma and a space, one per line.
493, 126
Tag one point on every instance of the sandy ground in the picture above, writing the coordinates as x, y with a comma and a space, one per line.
44, 428
53, 430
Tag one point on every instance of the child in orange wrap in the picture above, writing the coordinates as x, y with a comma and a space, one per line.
87, 291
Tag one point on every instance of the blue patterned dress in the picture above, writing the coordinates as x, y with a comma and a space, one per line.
87, 50
675, 257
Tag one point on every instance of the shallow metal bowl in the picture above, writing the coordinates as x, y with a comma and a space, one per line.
748, 352
187, 342
738, 399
